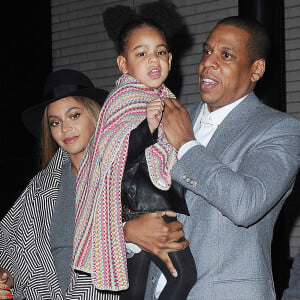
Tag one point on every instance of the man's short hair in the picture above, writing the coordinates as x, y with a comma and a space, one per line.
259, 41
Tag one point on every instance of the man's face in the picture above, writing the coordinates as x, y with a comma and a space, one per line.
225, 73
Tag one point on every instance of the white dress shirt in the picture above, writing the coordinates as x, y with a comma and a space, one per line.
204, 128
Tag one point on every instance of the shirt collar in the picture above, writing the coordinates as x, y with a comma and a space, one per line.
216, 117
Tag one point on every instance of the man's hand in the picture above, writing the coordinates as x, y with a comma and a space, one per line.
177, 123
152, 234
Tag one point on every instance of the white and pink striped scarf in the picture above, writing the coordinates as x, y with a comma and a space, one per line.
99, 246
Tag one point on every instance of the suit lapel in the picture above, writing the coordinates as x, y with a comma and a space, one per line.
233, 125
194, 111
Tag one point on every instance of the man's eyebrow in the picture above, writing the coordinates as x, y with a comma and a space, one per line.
228, 48
205, 44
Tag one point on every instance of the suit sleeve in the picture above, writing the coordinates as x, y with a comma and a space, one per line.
261, 178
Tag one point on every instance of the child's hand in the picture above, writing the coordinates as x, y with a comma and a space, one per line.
155, 110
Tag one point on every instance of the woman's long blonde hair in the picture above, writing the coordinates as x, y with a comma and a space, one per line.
48, 145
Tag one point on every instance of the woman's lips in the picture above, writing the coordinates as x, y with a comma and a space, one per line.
70, 140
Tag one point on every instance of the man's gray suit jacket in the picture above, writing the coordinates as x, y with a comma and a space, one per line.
236, 187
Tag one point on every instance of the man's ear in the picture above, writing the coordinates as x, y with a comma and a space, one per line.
258, 69
121, 61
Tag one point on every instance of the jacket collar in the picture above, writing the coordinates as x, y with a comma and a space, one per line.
237, 120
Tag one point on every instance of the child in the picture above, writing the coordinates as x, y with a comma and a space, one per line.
149, 64
130, 145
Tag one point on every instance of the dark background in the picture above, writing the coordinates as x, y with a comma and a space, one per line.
25, 62
27, 59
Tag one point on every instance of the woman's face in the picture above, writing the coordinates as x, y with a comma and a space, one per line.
70, 126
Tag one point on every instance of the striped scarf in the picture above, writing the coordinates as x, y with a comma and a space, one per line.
99, 246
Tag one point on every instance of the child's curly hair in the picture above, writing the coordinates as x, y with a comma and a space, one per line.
120, 20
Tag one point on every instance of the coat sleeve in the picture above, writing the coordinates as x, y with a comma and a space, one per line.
5, 262
140, 138
12, 245
261, 177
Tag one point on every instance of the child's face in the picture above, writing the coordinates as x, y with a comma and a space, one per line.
146, 57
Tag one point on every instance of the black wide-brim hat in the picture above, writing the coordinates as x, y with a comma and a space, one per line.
60, 84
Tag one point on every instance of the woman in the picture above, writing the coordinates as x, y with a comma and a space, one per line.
36, 235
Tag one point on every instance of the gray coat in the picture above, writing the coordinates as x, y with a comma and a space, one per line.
236, 188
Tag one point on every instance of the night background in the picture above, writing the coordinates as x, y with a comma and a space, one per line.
26, 60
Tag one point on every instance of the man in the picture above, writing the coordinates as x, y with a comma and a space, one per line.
238, 162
